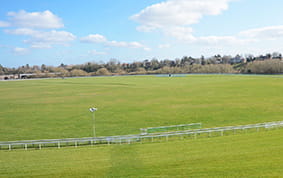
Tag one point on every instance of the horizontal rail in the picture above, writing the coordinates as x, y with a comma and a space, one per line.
130, 138
170, 127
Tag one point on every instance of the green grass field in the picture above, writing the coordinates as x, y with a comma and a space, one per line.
246, 155
56, 108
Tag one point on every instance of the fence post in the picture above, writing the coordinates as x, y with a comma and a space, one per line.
26, 147
39, 146
58, 144
10, 147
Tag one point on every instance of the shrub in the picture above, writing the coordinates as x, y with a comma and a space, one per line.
273, 66
103, 71
211, 68
78, 72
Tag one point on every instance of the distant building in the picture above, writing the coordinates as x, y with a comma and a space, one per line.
238, 59
8, 77
25, 76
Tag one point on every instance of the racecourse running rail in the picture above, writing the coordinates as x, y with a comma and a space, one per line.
151, 137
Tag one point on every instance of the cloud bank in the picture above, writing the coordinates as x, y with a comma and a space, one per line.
43, 39
42, 20
39, 27
97, 38
20, 51
177, 13
175, 18
269, 33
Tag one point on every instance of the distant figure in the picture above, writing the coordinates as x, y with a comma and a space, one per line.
169, 75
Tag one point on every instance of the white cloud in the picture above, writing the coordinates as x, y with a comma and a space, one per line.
244, 37
163, 46
34, 25
97, 38
42, 20
127, 44
4, 24
218, 40
177, 13
94, 52
269, 33
44, 39
174, 17
144, 28
124, 44
20, 51
22, 31
94, 38
180, 33
147, 49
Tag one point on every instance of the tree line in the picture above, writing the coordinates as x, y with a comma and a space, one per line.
249, 64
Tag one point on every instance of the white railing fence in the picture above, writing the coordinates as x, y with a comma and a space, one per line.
141, 138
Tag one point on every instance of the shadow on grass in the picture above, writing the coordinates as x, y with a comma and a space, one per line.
125, 162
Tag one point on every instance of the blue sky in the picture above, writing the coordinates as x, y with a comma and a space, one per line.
75, 32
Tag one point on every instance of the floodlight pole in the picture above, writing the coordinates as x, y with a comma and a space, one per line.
93, 120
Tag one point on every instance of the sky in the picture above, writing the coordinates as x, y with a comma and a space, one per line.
52, 32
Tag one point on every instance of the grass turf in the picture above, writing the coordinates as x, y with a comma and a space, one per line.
56, 108
245, 155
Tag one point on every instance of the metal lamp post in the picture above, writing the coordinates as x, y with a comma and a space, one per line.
93, 120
